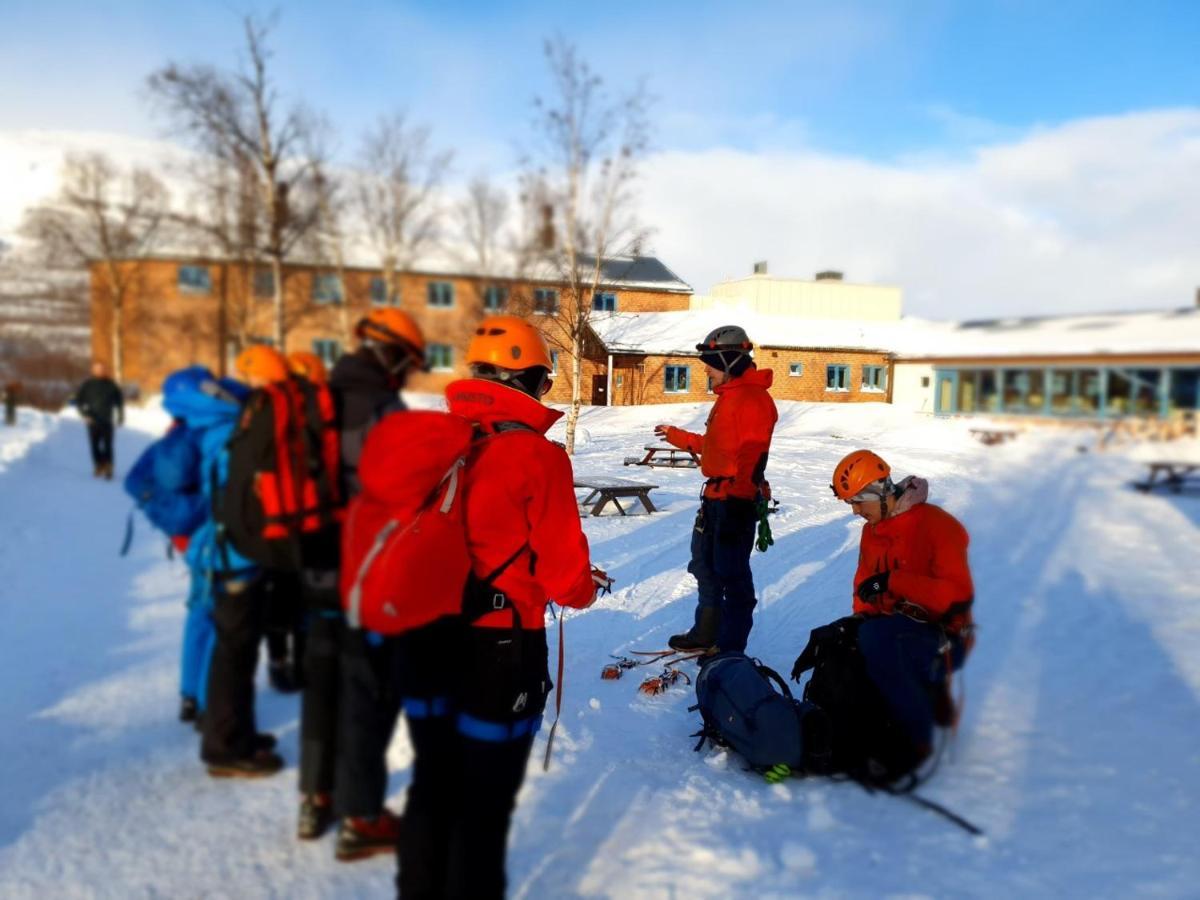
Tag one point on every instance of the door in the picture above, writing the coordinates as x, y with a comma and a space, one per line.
600, 390
946, 387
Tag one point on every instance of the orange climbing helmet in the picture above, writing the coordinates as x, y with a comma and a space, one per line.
508, 342
392, 326
261, 363
307, 365
857, 471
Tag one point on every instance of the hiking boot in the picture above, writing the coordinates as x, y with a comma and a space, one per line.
260, 764
282, 677
108, 471
359, 838
687, 643
188, 709
316, 815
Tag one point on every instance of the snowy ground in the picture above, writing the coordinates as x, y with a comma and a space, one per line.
1079, 753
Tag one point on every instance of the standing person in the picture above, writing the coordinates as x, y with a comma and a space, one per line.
99, 401
526, 546
733, 456
348, 711
913, 591
231, 745
12, 391
167, 485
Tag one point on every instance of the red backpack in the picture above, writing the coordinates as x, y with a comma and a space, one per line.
404, 543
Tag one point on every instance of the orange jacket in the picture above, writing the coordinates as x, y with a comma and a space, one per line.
520, 490
737, 436
925, 550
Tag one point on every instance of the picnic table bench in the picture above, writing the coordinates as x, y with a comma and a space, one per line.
991, 436
1176, 475
665, 456
605, 489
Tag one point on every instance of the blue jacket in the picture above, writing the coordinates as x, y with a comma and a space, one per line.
211, 408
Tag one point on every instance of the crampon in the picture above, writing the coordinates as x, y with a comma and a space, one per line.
637, 658
659, 684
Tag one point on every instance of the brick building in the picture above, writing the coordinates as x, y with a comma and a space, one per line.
182, 311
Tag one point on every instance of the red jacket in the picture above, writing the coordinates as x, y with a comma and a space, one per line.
925, 550
520, 489
737, 436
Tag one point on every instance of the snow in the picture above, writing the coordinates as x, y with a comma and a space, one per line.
669, 333
1078, 753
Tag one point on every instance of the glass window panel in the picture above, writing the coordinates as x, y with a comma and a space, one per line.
1087, 392
968, 390
1185, 389
989, 392
1146, 383
1062, 392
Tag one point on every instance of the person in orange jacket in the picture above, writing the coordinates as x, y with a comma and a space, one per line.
913, 588
733, 456
527, 547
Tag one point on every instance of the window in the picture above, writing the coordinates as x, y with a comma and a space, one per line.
440, 357
495, 298
441, 294
379, 293
194, 280
264, 283
675, 379
604, 302
924, 381
1184, 390
326, 289
545, 301
795, 370
874, 378
837, 378
708, 387
329, 350
553, 362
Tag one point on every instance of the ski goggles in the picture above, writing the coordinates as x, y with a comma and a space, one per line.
874, 492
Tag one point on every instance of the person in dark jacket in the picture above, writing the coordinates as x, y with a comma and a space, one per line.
99, 401
349, 710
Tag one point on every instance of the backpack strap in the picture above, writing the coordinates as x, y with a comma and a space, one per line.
481, 597
771, 675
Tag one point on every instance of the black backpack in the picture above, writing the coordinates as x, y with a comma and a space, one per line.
741, 709
867, 743
281, 505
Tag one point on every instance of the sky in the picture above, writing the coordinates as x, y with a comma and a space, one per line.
991, 158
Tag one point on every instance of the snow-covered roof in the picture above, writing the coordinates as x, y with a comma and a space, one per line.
675, 333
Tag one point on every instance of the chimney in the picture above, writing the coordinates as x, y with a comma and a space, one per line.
829, 275
760, 267
546, 233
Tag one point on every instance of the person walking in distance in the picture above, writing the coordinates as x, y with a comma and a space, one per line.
733, 456
100, 402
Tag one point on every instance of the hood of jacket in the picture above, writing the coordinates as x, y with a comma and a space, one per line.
752, 377
489, 402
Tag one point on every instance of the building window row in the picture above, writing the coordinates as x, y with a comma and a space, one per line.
1111, 391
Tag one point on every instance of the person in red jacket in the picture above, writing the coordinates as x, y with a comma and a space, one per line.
527, 548
913, 588
733, 455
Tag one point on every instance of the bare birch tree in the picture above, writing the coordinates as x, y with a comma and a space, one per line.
236, 116
107, 216
329, 242
481, 217
400, 174
583, 171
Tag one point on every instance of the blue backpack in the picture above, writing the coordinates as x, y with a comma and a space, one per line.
165, 483
741, 708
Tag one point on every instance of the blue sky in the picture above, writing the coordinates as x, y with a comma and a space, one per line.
990, 157
876, 80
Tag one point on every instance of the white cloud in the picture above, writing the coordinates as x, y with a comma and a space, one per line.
1093, 214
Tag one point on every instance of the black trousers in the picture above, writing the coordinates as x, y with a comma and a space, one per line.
229, 721
283, 617
370, 705
319, 702
458, 813
100, 439
464, 788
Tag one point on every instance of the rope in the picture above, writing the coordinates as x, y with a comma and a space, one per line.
558, 688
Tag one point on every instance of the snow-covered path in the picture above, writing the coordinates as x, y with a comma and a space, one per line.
1079, 753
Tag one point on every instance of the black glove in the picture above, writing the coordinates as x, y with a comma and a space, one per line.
869, 589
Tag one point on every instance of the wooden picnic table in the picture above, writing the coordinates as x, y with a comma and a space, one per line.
991, 436
665, 456
605, 489
1176, 475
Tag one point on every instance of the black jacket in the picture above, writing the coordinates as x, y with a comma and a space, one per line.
98, 398
364, 393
